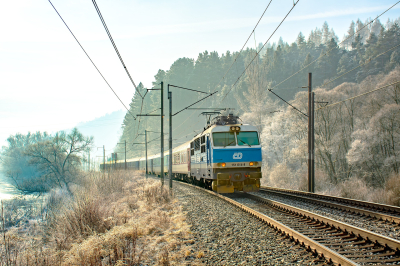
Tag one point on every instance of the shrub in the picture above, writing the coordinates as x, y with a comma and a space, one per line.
354, 188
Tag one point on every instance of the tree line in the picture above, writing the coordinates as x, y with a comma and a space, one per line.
272, 65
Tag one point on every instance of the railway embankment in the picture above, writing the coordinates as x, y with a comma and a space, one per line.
224, 235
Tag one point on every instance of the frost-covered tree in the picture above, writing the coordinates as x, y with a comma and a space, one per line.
375, 150
40, 162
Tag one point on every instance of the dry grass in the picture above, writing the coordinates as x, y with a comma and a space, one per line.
200, 254
113, 219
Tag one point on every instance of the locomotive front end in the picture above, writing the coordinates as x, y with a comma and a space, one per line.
236, 158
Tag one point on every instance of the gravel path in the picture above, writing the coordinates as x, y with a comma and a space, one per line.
379, 227
225, 235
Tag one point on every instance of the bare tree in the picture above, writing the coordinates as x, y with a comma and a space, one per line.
59, 158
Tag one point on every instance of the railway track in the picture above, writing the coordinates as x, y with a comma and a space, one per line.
330, 241
356, 244
371, 210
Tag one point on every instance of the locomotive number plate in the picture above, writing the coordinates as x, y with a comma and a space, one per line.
238, 164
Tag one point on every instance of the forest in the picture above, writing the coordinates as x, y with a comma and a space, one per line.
356, 141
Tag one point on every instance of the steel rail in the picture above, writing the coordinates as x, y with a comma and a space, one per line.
325, 203
300, 239
379, 240
366, 204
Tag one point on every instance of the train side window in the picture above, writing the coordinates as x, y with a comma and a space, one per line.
192, 148
203, 144
176, 158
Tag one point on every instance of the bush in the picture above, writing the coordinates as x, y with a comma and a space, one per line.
392, 190
354, 188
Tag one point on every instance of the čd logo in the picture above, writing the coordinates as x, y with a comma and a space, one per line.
237, 155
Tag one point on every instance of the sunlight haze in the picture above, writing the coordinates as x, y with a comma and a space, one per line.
48, 84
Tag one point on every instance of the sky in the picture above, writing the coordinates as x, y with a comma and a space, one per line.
48, 84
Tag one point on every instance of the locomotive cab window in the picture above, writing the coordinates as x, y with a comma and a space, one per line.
247, 138
224, 139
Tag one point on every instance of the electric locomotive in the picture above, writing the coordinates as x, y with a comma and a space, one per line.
225, 157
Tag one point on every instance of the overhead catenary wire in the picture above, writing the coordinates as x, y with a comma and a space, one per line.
330, 105
123, 64
223, 77
326, 83
334, 47
257, 53
288, 103
115, 46
248, 38
141, 110
140, 117
90, 58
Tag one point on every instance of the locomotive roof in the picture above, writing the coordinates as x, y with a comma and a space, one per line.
226, 128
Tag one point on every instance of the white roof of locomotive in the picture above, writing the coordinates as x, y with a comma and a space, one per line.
225, 128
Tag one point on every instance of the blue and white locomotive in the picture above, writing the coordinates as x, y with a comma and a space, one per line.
225, 157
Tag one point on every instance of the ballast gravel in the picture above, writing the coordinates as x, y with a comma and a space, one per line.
225, 235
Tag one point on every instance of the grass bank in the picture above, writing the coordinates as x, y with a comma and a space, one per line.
113, 219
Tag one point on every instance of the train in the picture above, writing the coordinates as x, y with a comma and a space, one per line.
225, 157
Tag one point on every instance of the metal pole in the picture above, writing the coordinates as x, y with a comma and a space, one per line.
310, 177
125, 155
312, 144
145, 142
170, 140
104, 159
162, 134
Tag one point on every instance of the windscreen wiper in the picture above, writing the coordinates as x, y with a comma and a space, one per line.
229, 143
245, 142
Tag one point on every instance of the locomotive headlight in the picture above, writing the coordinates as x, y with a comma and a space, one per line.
234, 129
251, 163
223, 164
